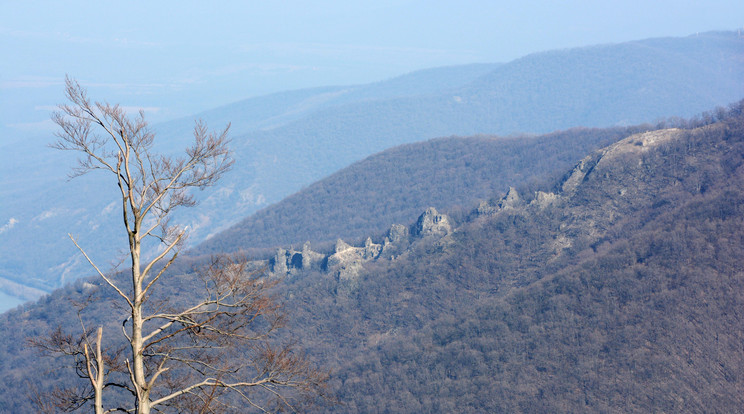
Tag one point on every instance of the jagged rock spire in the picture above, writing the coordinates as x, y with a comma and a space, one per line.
432, 223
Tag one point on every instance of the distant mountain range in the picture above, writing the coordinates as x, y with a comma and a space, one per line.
285, 141
612, 286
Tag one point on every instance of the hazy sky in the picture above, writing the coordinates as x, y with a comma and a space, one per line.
178, 58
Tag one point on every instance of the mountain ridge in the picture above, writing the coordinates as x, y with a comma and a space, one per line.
619, 294
612, 288
272, 164
447, 172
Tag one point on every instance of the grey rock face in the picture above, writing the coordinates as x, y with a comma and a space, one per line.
371, 250
279, 262
511, 199
347, 261
397, 233
486, 209
310, 259
578, 174
286, 261
543, 199
509, 202
432, 223
341, 246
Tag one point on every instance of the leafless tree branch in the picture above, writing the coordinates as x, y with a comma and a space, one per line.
180, 356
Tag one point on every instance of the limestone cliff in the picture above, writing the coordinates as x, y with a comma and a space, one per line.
347, 261
431, 223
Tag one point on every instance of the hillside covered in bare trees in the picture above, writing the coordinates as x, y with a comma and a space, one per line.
613, 285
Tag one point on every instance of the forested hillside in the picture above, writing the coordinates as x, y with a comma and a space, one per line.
40, 206
615, 288
607, 85
396, 185
286, 141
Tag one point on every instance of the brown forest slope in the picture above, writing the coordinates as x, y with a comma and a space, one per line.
396, 185
620, 293
623, 295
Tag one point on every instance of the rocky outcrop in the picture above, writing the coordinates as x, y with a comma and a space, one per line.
579, 173
510, 201
371, 250
485, 208
397, 234
311, 259
346, 261
395, 241
278, 263
431, 223
631, 146
286, 261
543, 199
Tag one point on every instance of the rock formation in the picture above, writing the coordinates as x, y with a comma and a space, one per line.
311, 259
286, 261
431, 223
347, 261
510, 201
543, 199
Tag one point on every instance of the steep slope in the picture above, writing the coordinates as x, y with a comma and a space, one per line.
607, 85
296, 138
600, 85
396, 185
615, 290
40, 208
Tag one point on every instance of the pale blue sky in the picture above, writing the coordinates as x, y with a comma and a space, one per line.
177, 58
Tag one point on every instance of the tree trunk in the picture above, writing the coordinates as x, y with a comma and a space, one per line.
138, 363
98, 382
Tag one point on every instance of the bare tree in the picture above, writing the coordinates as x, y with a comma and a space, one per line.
203, 355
